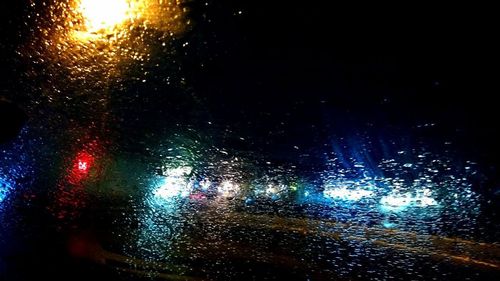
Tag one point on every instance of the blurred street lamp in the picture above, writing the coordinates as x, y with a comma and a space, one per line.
104, 15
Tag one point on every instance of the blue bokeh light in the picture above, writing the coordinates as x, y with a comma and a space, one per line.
5, 187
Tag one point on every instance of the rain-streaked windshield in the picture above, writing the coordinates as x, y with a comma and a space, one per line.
244, 140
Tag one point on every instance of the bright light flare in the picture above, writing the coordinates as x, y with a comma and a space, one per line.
173, 187
275, 191
271, 190
104, 15
175, 184
397, 202
228, 189
343, 193
83, 163
177, 172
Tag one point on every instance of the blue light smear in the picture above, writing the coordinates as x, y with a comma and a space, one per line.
5, 187
15, 165
8, 176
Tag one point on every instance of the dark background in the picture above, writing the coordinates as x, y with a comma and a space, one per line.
283, 74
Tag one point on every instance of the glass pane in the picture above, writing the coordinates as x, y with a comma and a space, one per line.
245, 140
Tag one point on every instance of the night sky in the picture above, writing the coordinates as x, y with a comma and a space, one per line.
286, 75
334, 70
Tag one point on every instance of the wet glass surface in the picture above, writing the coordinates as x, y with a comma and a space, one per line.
179, 140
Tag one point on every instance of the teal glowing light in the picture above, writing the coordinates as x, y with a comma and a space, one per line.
172, 187
388, 224
175, 184
5, 186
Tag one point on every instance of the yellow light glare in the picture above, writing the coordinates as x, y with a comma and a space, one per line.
104, 15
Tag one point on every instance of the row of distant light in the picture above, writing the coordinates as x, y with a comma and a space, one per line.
175, 184
395, 201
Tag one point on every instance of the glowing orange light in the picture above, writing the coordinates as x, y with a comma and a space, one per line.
104, 15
